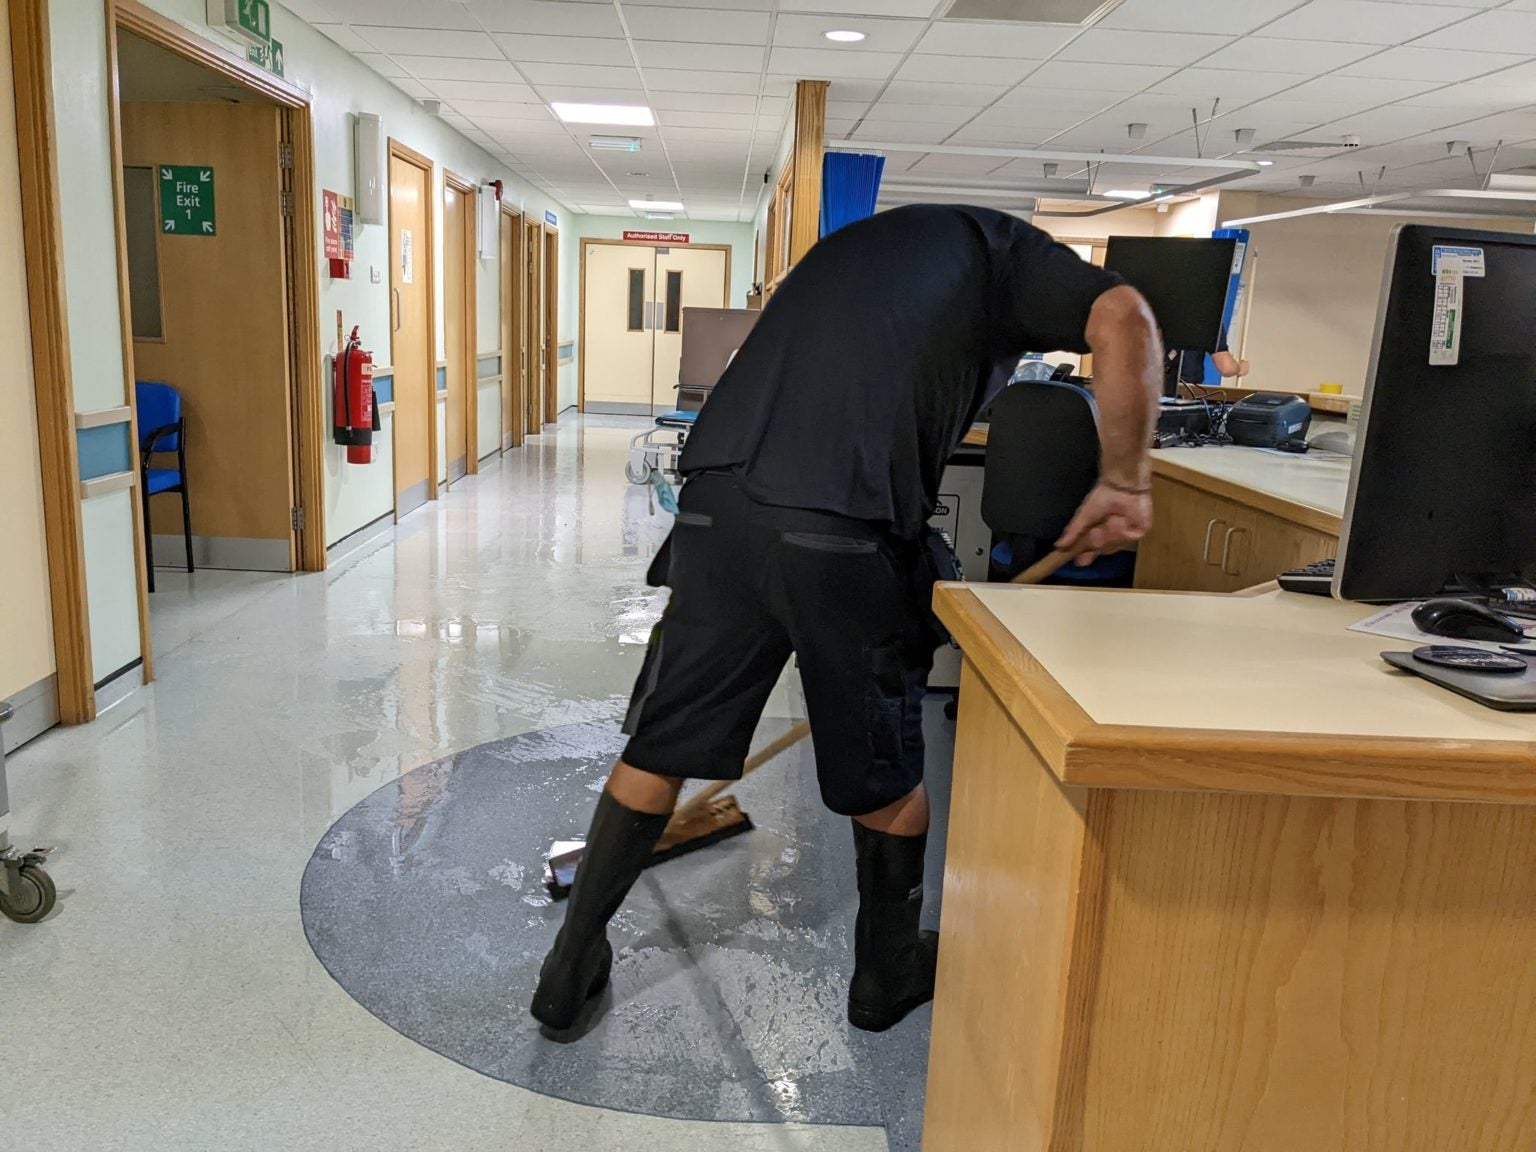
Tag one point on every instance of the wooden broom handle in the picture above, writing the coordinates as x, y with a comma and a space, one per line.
1042, 570
796, 734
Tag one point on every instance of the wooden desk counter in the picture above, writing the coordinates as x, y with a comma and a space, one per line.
1219, 881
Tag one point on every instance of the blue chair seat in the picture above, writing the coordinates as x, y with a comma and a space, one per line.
1115, 566
162, 480
676, 419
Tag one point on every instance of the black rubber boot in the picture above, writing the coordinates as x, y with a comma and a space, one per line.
576, 969
893, 961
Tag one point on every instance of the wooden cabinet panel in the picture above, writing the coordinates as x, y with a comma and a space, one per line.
1201, 542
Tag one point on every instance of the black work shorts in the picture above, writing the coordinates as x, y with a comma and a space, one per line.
752, 584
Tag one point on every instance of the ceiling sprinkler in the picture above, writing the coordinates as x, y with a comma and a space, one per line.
1244, 137
1049, 169
1307, 181
1136, 131
1455, 147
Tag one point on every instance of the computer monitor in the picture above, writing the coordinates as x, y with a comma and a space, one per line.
1184, 280
1442, 488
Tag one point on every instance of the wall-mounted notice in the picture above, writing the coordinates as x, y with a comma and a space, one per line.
551, 219
407, 257
186, 200
338, 225
660, 237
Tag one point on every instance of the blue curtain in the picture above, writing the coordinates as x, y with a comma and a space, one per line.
850, 185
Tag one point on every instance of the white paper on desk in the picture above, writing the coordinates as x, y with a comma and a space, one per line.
1396, 623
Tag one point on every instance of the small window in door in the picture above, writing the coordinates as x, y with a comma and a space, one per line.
674, 318
141, 223
637, 299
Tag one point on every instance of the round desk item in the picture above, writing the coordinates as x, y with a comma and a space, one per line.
1469, 659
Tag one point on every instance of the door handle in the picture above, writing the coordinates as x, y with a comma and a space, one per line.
1210, 530
1226, 550
394, 309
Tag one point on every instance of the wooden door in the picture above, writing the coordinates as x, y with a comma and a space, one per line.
410, 257
617, 317
533, 340
551, 347
461, 368
685, 278
212, 321
509, 249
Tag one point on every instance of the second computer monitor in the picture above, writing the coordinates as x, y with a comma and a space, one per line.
1184, 280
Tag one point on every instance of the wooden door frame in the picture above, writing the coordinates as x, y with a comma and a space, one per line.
552, 323
400, 151
533, 249
514, 330
581, 304
471, 194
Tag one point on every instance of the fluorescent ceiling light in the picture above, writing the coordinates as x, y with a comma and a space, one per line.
615, 143
629, 114
844, 35
1126, 194
655, 205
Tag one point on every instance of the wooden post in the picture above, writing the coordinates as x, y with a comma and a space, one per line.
810, 143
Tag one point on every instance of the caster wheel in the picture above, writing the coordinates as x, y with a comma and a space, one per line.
637, 471
952, 709
33, 899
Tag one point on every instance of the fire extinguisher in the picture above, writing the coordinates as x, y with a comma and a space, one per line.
357, 409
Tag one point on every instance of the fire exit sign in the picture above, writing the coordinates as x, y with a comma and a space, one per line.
186, 200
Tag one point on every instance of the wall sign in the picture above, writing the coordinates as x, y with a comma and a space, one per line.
660, 237
407, 257
551, 219
186, 200
268, 56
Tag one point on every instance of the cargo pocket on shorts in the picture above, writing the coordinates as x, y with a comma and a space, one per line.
831, 543
885, 704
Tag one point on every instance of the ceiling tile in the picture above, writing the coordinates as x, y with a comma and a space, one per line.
955, 70
946, 114
1263, 54
344, 36
1232, 86
798, 31
582, 75
503, 109
1234, 17
965, 38
415, 89
699, 26
1090, 77
382, 64
912, 8
970, 95
451, 68
1489, 32
1394, 123
719, 57
1362, 91
563, 49
403, 13
691, 80
429, 42
547, 17
457, 90
702, 102
578, 94
1111, 46
1431, 64
740, 120
1363, 21
828, 64
1084, 101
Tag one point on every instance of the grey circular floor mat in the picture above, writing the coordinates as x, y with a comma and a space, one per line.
426, 903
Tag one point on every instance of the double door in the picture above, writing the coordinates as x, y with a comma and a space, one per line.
632, 320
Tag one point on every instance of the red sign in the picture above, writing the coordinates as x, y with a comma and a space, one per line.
659, 237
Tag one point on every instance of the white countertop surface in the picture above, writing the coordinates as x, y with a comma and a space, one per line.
1276, 662
1318, 480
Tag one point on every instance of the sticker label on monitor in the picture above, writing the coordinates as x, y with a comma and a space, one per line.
1445, 327
1470, 260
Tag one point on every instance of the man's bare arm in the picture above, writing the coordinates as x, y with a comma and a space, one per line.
1127, 380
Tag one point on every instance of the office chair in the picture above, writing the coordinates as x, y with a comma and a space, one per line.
160, 412
1042, 460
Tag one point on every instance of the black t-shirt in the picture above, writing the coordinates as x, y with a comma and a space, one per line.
876, 353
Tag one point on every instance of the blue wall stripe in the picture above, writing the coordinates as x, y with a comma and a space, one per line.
384, 388
442, 379
104, 450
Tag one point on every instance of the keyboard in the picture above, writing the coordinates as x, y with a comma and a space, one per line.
1314, 580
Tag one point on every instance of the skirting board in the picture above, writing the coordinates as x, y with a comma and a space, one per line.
119, 686
229, 552
601, 408
356, 542
35, 710
457, 470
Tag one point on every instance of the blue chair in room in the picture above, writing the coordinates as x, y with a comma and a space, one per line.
1040, 429
162, 430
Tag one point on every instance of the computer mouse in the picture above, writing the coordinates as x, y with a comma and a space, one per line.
1465, 620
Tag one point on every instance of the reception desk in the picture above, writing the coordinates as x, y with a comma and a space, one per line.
1218, 880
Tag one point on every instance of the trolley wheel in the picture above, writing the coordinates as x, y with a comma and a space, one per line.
636, 471
952, 709
33, 899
